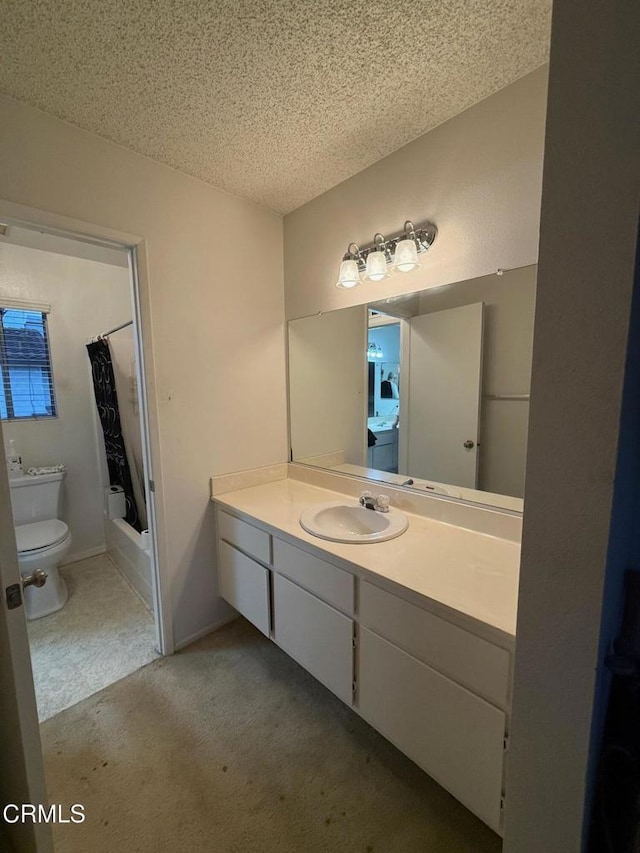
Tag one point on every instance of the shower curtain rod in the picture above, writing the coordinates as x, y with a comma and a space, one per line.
117, 329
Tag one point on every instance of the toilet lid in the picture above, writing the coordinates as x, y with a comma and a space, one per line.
40, 534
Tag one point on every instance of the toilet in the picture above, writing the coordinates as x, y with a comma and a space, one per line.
42, 539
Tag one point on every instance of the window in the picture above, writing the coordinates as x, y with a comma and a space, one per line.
26, 380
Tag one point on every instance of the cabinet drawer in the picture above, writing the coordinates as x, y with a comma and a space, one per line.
470, 660
315, 635
245, 585
326, 581
456, 737
245, 536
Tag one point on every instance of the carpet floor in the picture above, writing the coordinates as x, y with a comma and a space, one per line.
231, 747
103, 633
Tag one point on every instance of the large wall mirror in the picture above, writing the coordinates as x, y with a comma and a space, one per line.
429, 390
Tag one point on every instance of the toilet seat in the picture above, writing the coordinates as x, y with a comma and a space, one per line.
40, 535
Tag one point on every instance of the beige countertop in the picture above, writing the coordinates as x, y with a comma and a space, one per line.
470, 573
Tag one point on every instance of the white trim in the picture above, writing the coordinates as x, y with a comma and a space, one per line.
64, 226
76, 556
25, 304
203, 632
159, 590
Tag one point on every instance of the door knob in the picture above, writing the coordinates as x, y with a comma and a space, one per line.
37, 578
469, 445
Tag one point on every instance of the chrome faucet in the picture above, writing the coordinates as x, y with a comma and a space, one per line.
367, 501
379, 504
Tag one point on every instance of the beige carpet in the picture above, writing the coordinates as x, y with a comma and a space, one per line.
230, 747
103, 633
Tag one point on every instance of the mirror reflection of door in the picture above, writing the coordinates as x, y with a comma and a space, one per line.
383, 362
444, 395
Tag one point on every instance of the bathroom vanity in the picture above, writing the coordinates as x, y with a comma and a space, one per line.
415, 634
383, 456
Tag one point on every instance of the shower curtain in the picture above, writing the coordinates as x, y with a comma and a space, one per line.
104, 387
123, 359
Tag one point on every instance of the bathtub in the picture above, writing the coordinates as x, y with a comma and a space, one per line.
124, 546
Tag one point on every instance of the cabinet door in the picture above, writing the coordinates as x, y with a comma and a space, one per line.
315, 635
384, 457
456, 653
245, 585
384, 437
455, 736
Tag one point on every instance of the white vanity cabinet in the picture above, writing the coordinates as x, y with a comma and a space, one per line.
315, 635
434, 688
297, 604
245, 585
416, 674
383, 456
242, 581
313, 603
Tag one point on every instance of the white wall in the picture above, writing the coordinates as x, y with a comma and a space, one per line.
327, 385
509, 302
212, 307
588, 262
477, 177
86, 298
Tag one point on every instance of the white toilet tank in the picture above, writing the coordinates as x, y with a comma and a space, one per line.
36, 498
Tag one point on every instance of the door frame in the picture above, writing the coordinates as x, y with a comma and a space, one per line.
135, 246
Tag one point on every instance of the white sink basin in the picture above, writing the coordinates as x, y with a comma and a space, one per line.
346, 522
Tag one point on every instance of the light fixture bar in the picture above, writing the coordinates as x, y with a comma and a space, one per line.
385, 256
425, 235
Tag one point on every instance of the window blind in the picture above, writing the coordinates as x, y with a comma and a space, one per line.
26, 377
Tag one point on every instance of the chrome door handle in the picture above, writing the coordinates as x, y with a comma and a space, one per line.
469, 445
37, 578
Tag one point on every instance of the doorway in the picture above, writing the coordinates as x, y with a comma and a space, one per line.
63, 296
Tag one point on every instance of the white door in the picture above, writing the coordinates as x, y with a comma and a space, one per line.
22, 774
445, 374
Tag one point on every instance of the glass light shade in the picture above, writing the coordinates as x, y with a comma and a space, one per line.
376, 267
349, 274
406, 256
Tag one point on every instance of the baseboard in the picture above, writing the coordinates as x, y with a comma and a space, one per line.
76, 556
205, 631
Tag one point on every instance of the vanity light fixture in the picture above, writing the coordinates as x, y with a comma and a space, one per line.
405, 258
377, 260
386, 256
350, 268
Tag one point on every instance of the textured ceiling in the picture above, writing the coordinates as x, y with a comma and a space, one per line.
273, 100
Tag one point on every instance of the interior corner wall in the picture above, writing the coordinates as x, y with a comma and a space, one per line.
215, 315
583, 310
478, 177
86, 298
